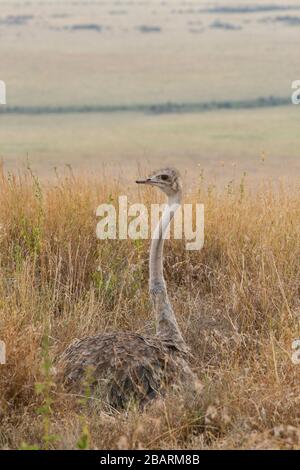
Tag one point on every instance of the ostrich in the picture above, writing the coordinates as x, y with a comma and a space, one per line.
128, 366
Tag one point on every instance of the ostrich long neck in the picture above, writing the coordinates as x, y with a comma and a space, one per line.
166, 324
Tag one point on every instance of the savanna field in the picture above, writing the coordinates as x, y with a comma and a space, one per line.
237, 303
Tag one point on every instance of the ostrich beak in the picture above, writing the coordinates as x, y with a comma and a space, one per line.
146, 181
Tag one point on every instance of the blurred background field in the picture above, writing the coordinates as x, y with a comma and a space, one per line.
222, 143
72, 58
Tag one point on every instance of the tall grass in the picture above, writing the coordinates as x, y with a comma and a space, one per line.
237, 302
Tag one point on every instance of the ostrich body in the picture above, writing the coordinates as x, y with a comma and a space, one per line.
127, 366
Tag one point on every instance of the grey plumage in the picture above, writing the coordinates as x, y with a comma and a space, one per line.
124, 366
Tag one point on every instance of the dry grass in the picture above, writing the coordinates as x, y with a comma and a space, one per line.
237, 302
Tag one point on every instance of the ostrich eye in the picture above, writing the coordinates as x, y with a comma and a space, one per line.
164, 177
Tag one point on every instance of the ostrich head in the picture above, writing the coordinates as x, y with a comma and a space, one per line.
167, 179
